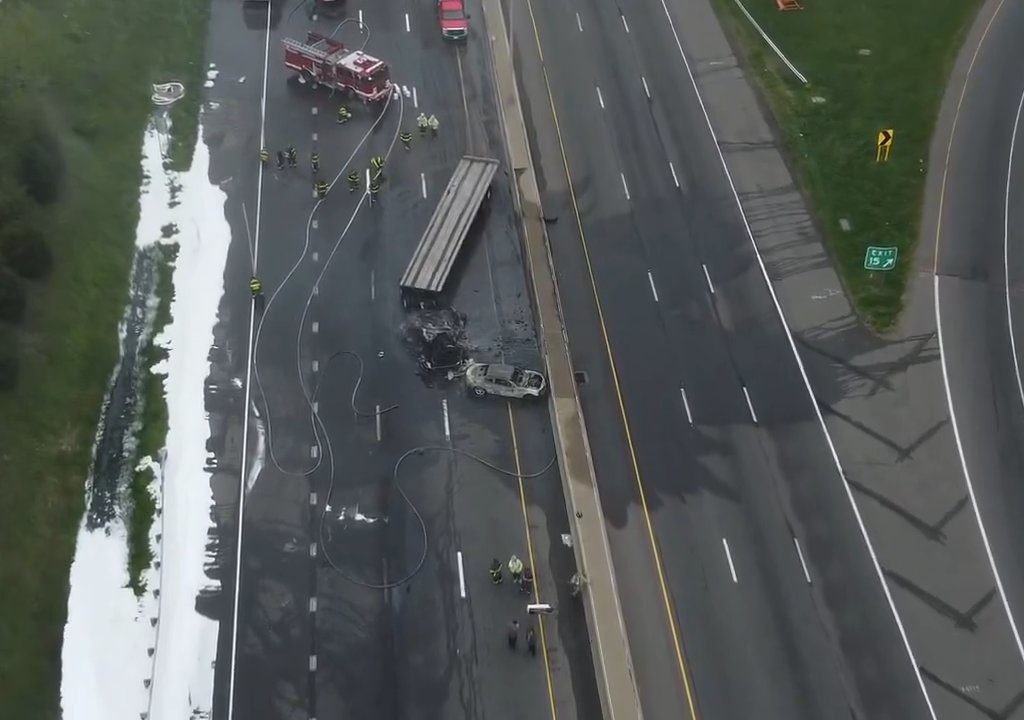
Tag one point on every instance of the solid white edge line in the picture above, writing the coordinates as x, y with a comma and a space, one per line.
647, 90
407, 23
248, 381
686, 405
803, 564
750, 405
625, 187
624, 23
447, 426
462, 575
675, 178
600, 99
803, 373
728, 556
1006, 251
967, 476
707, 276
654, 290
423, 184
579, 23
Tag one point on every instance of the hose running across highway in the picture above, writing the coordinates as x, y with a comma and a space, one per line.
321, 436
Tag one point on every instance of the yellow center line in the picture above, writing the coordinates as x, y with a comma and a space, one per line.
533, 563
676, 639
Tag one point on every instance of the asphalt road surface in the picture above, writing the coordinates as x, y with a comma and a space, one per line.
363, 589
979, 267
715, 456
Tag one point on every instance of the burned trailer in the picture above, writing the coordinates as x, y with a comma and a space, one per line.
321, 60
425, 277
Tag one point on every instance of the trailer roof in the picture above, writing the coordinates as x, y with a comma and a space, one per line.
442, 240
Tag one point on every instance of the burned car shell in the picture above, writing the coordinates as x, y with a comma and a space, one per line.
504, 380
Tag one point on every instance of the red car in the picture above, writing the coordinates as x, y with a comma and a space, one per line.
451, 14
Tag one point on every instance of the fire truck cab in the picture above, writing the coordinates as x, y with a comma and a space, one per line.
321, 60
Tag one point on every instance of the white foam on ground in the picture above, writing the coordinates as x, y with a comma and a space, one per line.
107, 639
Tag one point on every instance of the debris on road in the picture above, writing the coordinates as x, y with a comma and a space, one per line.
439, 339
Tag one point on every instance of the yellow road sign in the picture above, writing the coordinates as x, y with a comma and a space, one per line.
884, 144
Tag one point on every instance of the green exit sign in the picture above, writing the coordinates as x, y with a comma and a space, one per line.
880, 258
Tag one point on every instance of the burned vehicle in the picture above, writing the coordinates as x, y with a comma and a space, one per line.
504, 380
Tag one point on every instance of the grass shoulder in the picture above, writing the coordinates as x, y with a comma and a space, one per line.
869, 68
153, 428
89, 69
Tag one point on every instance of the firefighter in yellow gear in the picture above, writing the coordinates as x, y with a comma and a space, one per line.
264, 156
321, 189
353, 181
343, 115
255, 286
406, 138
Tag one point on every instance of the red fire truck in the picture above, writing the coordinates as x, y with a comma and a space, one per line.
321, 60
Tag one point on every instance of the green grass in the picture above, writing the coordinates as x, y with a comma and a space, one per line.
153, 431
90, 63
912, 44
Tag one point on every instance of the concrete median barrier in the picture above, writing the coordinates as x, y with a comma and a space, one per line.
609, 644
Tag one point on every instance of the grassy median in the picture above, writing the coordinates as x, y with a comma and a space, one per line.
88, 66
870, 66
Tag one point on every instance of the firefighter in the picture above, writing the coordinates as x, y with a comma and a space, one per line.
434, 124
264, 156
495, 571
321, 189
293, 160
526, 581
422, 123
353, 181
377, 165
255, 286
343, 115
513, 634
515, 569
531, 641
280, 160
406, 138
374, 189
314, 160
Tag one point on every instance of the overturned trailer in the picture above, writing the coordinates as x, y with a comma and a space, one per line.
431, 264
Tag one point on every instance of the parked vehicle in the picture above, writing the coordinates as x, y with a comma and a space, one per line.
451, 14
321, 60
504, 380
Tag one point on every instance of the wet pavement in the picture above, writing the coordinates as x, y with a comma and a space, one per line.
363, 588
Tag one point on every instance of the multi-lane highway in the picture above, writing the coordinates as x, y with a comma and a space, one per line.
749, 583
362, 586
714, 469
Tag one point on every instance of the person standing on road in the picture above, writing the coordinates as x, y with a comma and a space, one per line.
422, 123
264, 156
293, 160
495, 571
321, 189
406, 138
374, 189
314, 160
434, 124
515, 569
255, 286
377, 165
343, 115
531, 641
280, 160
353, 181
513, 634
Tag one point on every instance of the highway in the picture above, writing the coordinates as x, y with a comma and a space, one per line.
363, 590
713, 466
975, 239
